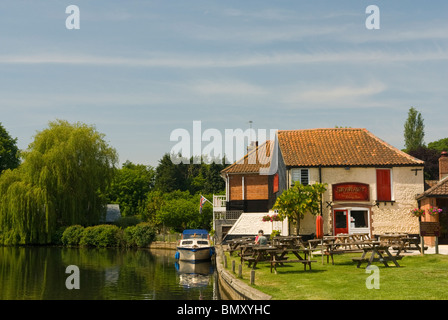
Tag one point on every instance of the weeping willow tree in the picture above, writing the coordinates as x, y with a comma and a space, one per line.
62, 181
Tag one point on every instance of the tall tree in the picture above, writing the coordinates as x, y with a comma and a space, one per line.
63, 180
414, 130
9, 153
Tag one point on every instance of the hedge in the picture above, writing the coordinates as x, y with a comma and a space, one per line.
106, 235
140, 235
72, 235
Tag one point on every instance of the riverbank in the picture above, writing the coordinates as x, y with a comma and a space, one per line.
163, 245
233, 288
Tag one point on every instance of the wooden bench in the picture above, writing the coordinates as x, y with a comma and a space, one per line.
274, 263
383, 253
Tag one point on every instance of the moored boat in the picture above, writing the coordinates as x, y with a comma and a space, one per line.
195, 245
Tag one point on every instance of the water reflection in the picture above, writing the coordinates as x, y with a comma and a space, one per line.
38, 273
197, 275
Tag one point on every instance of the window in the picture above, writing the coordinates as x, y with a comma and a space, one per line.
301, 175
383, 185
359, 218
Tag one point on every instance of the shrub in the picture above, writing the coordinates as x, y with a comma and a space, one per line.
140, 235
72, 235
100, 236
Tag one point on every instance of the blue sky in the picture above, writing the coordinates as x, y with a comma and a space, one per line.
138, 70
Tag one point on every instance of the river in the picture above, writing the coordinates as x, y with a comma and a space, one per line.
40, 273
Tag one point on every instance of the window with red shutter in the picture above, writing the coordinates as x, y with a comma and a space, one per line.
383, 185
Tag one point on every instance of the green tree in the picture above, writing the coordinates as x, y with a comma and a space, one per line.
414, 130
214, 183
177, 210
9, 153
439, 145
170, 176
130, 187
295, 202
62, 181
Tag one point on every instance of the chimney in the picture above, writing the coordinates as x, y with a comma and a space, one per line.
443, 165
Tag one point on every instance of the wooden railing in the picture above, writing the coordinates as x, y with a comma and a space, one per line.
228, 215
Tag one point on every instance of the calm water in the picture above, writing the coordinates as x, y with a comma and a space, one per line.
39, 273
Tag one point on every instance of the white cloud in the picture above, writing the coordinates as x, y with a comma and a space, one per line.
228, 61
338, 95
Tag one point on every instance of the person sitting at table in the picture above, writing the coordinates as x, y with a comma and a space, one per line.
261, 239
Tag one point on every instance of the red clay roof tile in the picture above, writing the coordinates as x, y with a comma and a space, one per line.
339, 147
326, 147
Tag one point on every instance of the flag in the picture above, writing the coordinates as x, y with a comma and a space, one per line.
201, 203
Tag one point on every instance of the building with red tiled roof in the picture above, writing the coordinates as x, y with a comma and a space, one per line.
339, 148
436, 196
372, 186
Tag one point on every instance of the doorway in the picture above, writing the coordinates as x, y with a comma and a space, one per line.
340, 221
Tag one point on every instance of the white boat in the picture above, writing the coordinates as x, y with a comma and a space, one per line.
195, 245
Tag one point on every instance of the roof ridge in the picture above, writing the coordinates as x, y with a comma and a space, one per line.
323, 129
433, 188
394, 148
246, 156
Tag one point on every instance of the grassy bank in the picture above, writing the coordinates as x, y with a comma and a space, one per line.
418, 278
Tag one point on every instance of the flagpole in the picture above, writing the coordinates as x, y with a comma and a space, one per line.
200, 208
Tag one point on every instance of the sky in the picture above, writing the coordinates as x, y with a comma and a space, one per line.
138, 70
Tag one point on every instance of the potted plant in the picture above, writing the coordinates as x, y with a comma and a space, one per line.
433, 211
418, 212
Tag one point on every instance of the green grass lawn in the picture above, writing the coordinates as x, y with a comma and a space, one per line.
418, 278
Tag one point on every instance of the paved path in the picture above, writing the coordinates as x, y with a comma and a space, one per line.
443, 249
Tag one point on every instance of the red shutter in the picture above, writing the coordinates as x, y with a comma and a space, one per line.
275, 183
384, 190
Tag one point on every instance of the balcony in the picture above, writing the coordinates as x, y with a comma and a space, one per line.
220, 212
219, 203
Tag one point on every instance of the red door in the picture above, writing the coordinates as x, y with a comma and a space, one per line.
340, 221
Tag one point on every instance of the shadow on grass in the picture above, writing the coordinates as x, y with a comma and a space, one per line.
279, 271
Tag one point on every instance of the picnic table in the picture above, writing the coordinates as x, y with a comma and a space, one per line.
287, 241
236, 243
393, 240
377, 248
278, 256
259, 253
246, 250
331, 245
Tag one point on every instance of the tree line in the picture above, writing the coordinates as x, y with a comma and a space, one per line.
69, 173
